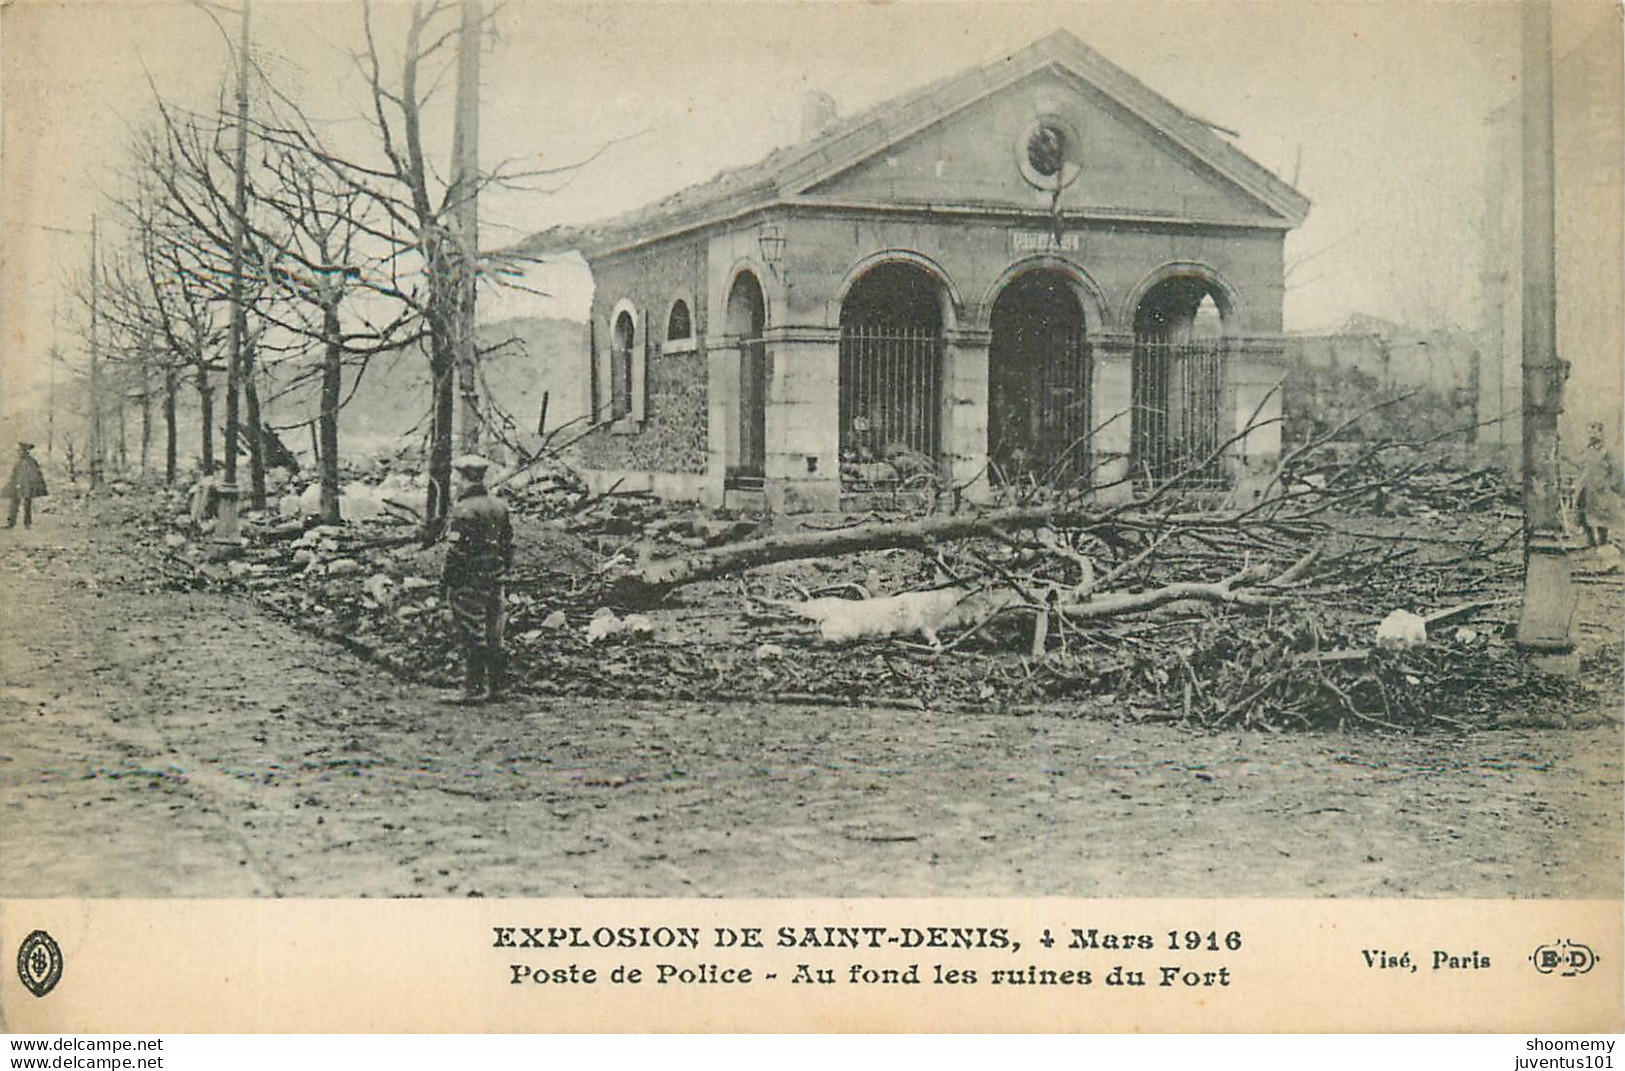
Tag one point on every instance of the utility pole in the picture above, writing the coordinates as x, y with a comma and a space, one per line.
1547, 620
226, 527
95, 369
465, 149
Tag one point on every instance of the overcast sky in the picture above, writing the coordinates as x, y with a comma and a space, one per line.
1377, 108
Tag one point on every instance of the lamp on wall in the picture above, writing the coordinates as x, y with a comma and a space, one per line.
771, 240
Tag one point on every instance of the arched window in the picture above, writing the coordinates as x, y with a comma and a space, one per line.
679, 325
623, 343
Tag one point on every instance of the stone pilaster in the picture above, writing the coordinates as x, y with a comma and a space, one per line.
721, 414
1257, 368
1113, 401
963, 437
803, 465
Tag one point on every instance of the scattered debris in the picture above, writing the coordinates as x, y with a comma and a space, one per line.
1269, 616
605, 624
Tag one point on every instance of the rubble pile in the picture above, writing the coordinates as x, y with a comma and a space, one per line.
1319, 612
1308, 671
1402, 479
370, 585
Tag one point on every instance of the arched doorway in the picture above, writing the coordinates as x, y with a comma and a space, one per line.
746, 318
891, 375
1178, 381
1038, 383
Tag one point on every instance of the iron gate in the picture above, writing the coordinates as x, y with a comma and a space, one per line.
1039, 420
890, 391
1178, 395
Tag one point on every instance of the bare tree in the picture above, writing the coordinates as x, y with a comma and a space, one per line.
398, 108
128, 345
322, 220
317, 250
418, 213
162, 288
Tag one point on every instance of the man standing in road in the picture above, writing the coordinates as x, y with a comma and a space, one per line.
478, 555
1602, 508
26, 484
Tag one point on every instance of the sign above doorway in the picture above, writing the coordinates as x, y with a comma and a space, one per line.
1043, 242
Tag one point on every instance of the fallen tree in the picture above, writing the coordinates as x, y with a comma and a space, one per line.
651, 580
1162, 605
936, 610
1148, 514
1229, 592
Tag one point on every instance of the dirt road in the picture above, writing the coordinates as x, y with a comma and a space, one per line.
158, 743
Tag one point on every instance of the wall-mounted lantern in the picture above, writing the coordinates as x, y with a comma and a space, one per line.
771, 240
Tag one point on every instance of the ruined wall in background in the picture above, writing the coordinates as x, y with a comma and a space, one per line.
670, 437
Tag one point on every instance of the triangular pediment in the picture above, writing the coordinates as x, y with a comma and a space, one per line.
1116, 162
957, 144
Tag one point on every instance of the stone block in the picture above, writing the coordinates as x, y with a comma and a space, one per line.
803, 495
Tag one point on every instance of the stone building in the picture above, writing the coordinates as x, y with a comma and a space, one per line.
1035, 270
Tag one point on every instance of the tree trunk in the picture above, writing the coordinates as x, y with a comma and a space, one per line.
328, 418
170, 458
654, 579
441, 315
256, 432
1223, 591
440, 489
205, 401
465, 186
146, 421
123, 432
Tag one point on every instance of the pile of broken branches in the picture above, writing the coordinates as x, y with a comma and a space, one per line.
1143, 602
1260, 615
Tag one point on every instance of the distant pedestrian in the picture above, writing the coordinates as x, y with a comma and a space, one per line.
478, 557
1602, 506
27, 483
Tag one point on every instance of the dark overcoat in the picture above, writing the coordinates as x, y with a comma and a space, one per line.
27, 481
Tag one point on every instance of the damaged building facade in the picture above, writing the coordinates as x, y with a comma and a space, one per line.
1035, 271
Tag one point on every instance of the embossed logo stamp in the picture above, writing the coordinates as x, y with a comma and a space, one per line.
1564, 958
39, 963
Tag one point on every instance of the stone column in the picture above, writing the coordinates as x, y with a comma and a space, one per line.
1257, 367
1111, 448
721, 414
803, 419
963, 438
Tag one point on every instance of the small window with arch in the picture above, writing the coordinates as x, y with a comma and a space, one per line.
679, 328
622, 341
